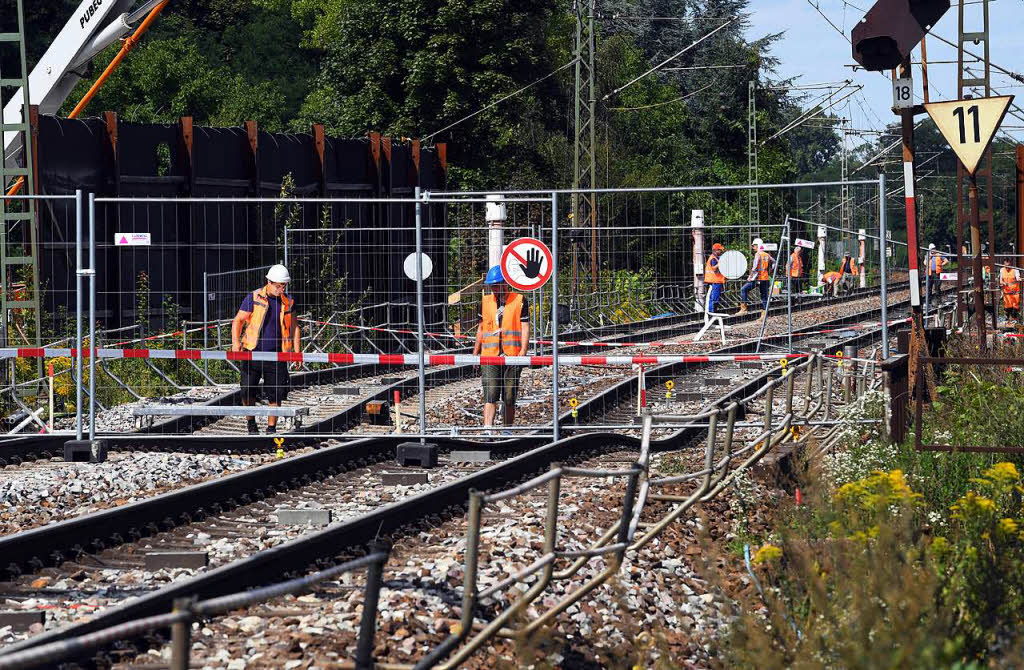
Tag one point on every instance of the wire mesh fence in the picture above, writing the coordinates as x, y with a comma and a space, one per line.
172, 273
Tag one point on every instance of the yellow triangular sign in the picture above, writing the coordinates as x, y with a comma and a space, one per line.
969, 125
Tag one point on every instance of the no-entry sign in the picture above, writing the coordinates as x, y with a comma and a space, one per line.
526, 264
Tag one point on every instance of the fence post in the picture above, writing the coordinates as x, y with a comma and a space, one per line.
419, 318
206, 321
895, 373
181, 636
881, 252
554, 316
92, 316
769, 397
371, 599
79, 273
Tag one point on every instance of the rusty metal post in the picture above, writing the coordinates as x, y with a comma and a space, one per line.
181, 636
768, 403
371, 599
1020, 201
979, 281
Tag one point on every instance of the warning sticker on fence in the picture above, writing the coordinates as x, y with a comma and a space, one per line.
947, 276
132, 239
526, 264
806, 244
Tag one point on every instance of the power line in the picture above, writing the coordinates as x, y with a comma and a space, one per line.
498, 101
668, 60
660, 104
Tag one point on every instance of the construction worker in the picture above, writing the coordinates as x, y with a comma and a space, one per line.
847, 272
795, 268
1009, 281
504, 331
713, 277
266, 322
933, 278
760, 276
830, 281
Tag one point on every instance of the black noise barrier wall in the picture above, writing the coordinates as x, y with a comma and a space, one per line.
134, 160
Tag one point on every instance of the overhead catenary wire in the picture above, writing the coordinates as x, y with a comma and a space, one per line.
668, 60
499, 101
661, 104
808, 116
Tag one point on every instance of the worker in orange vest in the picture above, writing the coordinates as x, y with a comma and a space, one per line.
1009, 281
713, 277
847, 271
830, 281
266, 322
795, 267
760, 277
933, 274
504, 331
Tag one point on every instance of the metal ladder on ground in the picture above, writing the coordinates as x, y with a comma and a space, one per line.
19, 256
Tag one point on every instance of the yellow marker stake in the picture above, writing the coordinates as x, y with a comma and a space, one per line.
839, 358
785, 366
573, 404
279, 441
669, 385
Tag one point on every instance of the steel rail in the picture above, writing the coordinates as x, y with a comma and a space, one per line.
265, 566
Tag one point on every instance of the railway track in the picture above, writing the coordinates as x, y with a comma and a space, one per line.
30, 552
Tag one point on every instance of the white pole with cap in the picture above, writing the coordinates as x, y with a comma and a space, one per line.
496, 214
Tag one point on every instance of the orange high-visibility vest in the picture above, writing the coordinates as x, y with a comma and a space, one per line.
763, 263
935, 264
254, 322
712, 273
848, 266
509, 338
831, 277
1011, 288
796, 265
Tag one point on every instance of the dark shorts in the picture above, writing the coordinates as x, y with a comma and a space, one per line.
274, 376
501, 382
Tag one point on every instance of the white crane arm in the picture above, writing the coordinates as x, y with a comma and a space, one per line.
86, 34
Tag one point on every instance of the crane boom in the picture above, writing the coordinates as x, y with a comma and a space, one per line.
86, 34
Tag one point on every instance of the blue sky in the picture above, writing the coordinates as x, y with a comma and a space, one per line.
816, 52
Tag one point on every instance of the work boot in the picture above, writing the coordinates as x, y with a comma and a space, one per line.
743, 308
252, 428
271, 430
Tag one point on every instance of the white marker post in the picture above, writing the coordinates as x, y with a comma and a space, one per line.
821, 254
697, 224
496, 215
862, 239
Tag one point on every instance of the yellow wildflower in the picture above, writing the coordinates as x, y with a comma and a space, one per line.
972, 506
769, 553
1007, 526
1002, 473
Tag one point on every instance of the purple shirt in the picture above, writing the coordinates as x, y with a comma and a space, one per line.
270, 332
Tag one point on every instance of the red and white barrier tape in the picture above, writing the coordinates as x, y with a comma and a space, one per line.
594, 343
388, 359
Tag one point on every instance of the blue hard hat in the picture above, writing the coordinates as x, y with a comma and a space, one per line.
494, 276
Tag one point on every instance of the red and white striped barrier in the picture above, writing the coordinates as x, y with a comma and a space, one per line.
595, 343
387, 359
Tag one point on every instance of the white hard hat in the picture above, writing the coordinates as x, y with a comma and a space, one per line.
757, 242
930, 247
279, 273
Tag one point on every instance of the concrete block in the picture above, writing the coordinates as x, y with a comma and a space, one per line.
414, 453
403, 478
85, 451
751, 365
470, 456
302, 517
689, 396
158, 560
388, 381
20, 620
345, 390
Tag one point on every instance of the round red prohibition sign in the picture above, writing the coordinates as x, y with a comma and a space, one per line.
526, 264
